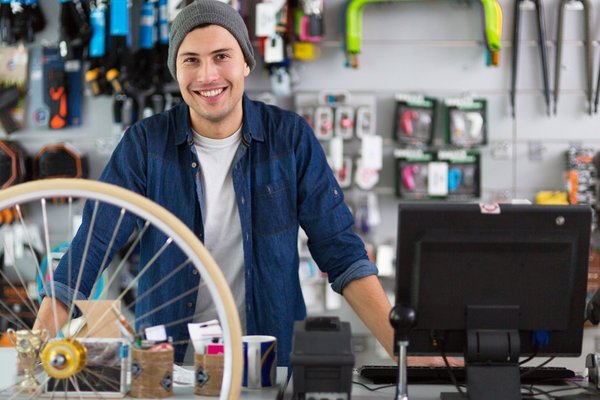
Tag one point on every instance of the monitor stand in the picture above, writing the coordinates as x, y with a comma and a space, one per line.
492, 354
490, 382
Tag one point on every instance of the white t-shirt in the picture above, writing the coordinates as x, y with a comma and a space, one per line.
222, 226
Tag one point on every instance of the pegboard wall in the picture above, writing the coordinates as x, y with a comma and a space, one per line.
433, 48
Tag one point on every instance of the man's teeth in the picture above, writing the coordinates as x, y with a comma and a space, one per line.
210, 93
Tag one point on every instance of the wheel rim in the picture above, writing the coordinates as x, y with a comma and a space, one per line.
180, 234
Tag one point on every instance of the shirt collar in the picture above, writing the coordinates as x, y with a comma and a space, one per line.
252, 124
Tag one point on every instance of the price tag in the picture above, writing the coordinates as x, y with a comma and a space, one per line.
265, 19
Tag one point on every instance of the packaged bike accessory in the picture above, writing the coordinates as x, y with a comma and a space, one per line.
344, 174
324, 122
12, 164
59, 161
308, 113
464, 177
365, 177
412, 173
581, 175
414, 121
466, 122
344, 122
365, 121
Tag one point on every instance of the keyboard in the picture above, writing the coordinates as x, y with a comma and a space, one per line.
387, 374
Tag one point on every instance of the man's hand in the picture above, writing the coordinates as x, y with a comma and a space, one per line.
45, 318
434, 362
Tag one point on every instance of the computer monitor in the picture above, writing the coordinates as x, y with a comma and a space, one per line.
493, 283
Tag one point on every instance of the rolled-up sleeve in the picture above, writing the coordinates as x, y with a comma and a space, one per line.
326, 219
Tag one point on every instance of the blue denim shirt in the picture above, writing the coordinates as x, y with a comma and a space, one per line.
281, 180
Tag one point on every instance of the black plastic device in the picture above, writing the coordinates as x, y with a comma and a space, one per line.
493, 283
322, 359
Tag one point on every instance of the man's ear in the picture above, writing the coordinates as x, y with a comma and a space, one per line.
246, 70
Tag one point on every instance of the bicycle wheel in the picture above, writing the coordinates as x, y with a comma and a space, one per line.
34, 197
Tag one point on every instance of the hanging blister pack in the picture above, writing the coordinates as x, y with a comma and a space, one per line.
344, 174
463, 173
38, 111
324, 122
412, 173
345, 125
281, 81
466, 122
308, 113
344, 122
365, 121
414, 119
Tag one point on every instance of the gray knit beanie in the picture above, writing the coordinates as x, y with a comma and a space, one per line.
208, 12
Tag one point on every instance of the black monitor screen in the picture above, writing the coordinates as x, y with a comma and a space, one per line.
514, 268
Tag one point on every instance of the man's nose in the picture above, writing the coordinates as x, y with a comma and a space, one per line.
208, 72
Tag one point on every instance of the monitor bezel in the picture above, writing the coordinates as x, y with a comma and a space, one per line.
416, 218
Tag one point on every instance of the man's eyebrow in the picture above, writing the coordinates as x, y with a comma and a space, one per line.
193, 53
222, 50
187, 53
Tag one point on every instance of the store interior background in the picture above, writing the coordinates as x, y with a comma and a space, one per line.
433, 48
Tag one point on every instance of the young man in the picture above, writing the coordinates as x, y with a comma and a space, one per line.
244, 176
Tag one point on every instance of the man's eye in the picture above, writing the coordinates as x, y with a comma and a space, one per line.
222, 56
189, 60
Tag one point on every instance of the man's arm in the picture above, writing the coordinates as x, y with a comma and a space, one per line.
45, 317
367, 298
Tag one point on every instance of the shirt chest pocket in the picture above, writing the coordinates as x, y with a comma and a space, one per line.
273, 208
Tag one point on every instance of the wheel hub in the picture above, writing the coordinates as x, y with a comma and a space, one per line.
63, 358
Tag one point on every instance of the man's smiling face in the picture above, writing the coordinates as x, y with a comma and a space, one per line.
210, 71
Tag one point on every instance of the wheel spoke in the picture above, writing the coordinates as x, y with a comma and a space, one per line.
133, 282
27, 301
49, 264
152, 220
120, 267
30, 245
82, 263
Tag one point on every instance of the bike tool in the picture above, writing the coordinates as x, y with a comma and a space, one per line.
95, 75
38, 20
587, 5
118, 43
143, 67
75, 31
6, 23
541, 30
27, 20
22, 22
162, 44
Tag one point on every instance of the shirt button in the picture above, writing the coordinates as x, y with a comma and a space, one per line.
243, 200
190, 304
194, 165
194, 271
